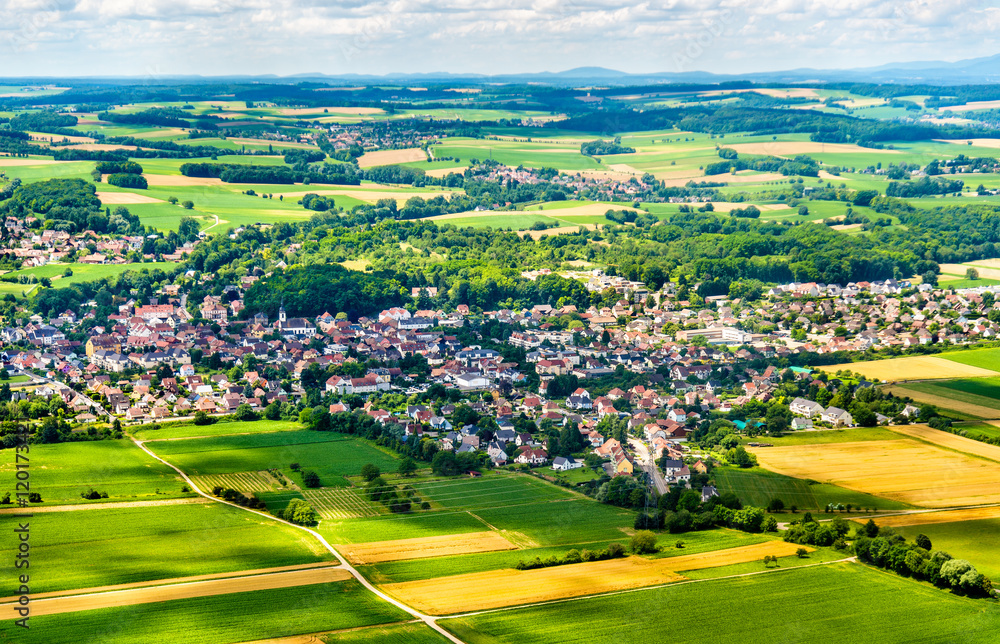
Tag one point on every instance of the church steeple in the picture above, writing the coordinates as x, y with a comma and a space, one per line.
281, 312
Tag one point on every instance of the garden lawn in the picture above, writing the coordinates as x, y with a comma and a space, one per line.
220, 619
803, 605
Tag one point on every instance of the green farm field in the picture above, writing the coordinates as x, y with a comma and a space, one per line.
87, 272
757, 486
982, 358
190, 430
91, 548
392, 634
60, 472
221, 619
536, 512
693, 543
981, 392
332, 456
799, 605
973, 540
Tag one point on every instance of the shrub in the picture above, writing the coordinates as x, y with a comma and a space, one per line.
643, 542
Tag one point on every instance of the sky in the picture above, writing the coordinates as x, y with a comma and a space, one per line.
150, 38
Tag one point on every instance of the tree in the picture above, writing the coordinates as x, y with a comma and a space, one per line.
803, 211
187, 205
201, 418
971, 274
245, 413
775, 505
445, 464
929, 277
870, 529
741, 457
801, 553
643, 542
272, 411
924, 542
310, 478
370, 472
407, 466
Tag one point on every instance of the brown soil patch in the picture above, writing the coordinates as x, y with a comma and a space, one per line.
106, 506
390, 157
181, 180
928, 518
424, 548
461, 593
74, 603
843, 227
125, 198
443, 172
904, 470
538, 234
959, 269
44, 136
974, 105
277, 144
159, 134
912, 368
979, 143
104, 147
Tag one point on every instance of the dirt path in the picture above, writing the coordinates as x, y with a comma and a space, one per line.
103, 506
131, 597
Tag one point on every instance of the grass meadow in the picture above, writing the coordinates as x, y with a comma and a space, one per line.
90, 548
757, 486
801, 605
392, 634
221, 619
60, 472
332, 456
973, 540
222, 428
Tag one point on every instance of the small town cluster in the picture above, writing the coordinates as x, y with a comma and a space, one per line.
168, 358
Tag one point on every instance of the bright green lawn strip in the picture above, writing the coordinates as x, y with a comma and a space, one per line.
821, 555
92, 548
330, 455
825, 436
983, 358
973, 540
821, 604
394, 634
220, 619
60, 472
978, 431
966, 283
387, 528
190, 430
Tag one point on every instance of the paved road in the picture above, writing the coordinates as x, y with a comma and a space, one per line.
647, 464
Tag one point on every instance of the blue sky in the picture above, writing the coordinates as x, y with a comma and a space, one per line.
212, 37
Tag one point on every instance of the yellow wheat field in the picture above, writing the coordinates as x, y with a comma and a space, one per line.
499, 588
389, 157
425, 547
978, 411
928, 518
912, 368
903, 470
950, 441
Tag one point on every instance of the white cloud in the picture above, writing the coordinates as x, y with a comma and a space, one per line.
488, 36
